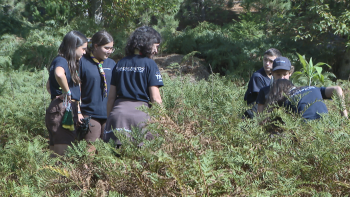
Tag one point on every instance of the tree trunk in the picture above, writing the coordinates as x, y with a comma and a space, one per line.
203, 10
96, 10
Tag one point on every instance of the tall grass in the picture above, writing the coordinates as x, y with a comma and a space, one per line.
202, 148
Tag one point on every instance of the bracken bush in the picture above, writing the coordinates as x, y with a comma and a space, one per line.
202, 147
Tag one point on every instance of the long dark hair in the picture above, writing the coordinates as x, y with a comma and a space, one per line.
100, 38
71, 41
279, 92
142, 39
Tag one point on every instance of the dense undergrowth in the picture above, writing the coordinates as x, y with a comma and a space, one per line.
202, 148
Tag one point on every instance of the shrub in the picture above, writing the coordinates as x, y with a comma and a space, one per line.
231, 49
203, 147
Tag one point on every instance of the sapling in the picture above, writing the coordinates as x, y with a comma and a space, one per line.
312, 73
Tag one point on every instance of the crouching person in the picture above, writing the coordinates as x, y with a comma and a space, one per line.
306, 100
281, 69
260, 79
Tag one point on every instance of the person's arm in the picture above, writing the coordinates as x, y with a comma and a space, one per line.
80, 115
60, 76
260, 100
111, 98
155, 94
260, 108
329, 91
48, 86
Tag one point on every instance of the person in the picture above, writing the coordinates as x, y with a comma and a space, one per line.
281, 69
262, 77
63, 83
95, 73
135, 82
307, 100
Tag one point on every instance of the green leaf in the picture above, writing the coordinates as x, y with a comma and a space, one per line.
319, 70
310, 66
322, 63
297, 73
302, 61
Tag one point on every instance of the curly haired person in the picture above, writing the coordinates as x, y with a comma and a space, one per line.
135, 82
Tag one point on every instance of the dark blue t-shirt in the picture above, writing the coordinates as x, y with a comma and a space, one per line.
54, 87
93, 102
133, 75
263, 94
310, 102
258, 80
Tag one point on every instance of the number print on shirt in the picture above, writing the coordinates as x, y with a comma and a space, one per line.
159, 76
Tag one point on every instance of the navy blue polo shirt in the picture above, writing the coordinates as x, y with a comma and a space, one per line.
263, 94
133, 75
55, 88
310, 102
93, 102
258, 80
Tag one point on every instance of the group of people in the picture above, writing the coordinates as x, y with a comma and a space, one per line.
110, 93
94, 85
270, 86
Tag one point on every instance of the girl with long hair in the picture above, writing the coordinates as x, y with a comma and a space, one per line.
96, 73
63, 84
306, 100
135, 82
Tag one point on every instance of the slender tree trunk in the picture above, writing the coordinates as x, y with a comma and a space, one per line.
202, 9
96, 10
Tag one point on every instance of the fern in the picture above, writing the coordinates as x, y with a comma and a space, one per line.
202, 147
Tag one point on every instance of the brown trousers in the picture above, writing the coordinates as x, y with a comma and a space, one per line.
53, 121
123, 117
96, 127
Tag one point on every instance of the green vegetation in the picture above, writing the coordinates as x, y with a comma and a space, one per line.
312, 74
203, 147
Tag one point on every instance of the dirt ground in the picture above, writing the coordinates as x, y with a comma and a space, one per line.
175, 65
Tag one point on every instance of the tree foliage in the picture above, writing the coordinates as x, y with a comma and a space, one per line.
118, 13
317, 28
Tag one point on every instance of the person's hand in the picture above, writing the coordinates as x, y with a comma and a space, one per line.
63, 96
80, 116
66, 94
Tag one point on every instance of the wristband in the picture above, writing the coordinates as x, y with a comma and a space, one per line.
79, 112
68, 93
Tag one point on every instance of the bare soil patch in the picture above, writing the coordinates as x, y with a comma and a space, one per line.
175, 65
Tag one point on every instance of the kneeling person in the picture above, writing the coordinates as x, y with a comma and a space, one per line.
262, 77
307, 100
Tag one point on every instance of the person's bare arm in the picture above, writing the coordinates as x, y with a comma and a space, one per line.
111, 98
155, 94
260, 108
60, 76
80, 115
329, 91
48, 86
